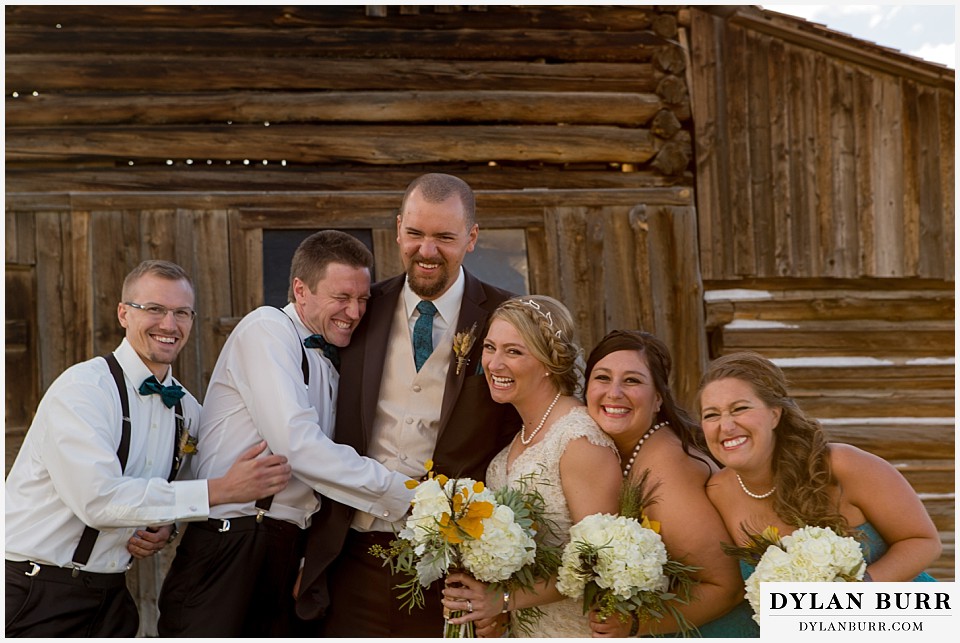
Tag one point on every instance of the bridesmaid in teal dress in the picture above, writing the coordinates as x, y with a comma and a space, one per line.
628, 395
779, 470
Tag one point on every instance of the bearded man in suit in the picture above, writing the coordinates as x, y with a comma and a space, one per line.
405, 398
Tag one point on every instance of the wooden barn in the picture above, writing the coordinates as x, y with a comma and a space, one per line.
726, 177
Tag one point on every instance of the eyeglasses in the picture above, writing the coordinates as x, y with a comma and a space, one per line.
159, 312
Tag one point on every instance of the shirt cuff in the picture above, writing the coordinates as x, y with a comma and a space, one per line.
192, 501
395, 503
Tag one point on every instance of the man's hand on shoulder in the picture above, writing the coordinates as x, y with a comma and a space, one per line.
251, 477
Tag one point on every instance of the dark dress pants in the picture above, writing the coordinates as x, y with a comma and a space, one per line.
54, 603
232, 583
364, 599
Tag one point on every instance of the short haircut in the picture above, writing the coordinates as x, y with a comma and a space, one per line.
158, 268
436, 188
319, 250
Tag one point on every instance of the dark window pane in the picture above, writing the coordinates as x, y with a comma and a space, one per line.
278, 249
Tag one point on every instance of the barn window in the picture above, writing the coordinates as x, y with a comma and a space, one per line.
278, 249
500, 258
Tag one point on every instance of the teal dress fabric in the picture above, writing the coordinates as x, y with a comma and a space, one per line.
874, 547
737, 623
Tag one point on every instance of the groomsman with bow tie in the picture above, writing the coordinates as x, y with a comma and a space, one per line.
93, 483
276, 379
408, 395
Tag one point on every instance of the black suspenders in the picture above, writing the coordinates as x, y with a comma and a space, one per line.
89, 537
263, 505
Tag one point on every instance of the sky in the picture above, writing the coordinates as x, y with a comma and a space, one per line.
925, 31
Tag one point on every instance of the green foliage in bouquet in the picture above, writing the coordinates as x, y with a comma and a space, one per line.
621, 567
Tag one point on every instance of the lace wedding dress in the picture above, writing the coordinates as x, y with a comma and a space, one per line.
564, 618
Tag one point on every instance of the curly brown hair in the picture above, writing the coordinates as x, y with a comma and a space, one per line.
546, 327
801, 459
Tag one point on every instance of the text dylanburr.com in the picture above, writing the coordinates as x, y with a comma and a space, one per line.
858, 611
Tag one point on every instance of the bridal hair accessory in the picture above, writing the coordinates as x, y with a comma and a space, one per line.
462, 343
546, 315
758, 496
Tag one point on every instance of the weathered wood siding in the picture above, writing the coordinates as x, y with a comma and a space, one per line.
825, 176
818, 159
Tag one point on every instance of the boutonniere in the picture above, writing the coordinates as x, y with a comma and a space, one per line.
462, 343
188, 443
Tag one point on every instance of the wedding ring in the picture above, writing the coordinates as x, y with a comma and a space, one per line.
469, 606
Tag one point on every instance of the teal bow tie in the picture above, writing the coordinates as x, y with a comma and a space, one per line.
169, 394
329, 350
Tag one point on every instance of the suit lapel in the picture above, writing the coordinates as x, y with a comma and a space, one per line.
380, 315
472, 312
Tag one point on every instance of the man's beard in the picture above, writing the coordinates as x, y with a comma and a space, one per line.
428, 289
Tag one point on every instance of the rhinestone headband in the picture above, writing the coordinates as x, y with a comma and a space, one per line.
546, 315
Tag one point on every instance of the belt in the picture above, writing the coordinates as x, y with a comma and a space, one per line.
68, 575
248, 523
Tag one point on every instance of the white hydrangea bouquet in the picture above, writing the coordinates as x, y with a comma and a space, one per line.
457, 524
808, 555
619, 564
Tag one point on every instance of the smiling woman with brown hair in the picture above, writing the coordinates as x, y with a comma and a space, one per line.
628, 395
781, 471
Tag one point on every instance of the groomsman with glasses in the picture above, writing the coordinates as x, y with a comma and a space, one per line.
95, 482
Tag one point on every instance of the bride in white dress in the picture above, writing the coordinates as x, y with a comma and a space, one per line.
531, 361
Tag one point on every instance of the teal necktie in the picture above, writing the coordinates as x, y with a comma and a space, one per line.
169, 394
423, 333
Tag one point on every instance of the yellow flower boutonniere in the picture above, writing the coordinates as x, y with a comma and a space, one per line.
188, 443
462, 343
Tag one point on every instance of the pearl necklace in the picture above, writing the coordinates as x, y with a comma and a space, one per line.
758, 496
636, 450
523, 436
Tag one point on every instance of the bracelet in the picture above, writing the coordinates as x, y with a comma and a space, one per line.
506, 603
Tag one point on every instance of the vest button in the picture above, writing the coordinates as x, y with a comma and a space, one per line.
416, 388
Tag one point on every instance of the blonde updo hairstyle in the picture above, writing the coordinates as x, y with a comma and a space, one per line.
546, 327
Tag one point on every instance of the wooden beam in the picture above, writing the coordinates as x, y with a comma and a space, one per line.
449, 44
377, 145
185, 72
613, 108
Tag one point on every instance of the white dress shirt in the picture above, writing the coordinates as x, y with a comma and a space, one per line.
257, 393
67, 473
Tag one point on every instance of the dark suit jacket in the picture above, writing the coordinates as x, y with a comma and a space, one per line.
473, 428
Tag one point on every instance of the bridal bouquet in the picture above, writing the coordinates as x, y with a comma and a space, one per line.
460, 525
810, 554
619, 565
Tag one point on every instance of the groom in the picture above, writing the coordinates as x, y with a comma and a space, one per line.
404, 400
